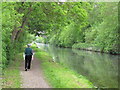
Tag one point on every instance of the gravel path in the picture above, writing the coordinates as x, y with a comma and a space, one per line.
33, 78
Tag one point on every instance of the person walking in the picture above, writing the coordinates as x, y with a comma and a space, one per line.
28, 57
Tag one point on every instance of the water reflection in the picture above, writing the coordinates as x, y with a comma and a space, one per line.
101, 69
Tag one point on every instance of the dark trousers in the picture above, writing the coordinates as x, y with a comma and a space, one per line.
28, 61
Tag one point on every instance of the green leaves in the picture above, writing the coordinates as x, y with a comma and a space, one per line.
65, 24
103, 33
12, 17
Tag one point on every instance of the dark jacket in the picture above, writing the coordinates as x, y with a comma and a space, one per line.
28, 51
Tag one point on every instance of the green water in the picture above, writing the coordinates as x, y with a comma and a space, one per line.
100, 69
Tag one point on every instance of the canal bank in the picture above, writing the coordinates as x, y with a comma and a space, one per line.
58, 75
100, 68
95, 48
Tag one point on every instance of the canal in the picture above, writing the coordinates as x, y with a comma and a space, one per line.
100, 68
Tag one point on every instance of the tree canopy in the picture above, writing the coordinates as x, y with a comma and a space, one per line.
65, 24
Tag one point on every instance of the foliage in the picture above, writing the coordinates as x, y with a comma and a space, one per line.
70, 31
108, 29
90, 47
11, 76
104, 34
6, 31
67, 24
62, 24
11, 43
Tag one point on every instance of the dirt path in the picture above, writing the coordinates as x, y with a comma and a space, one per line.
33, 78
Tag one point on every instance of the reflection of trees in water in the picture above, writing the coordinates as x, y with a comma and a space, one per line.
100, 69
69, 58
54, 53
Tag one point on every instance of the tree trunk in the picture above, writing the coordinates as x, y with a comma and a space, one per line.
18, 30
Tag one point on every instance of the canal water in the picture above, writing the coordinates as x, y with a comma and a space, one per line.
99, 68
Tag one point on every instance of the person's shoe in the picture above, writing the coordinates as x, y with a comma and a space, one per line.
25, 69
28, 67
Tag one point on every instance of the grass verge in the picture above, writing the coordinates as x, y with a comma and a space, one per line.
59, 76
11, 74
